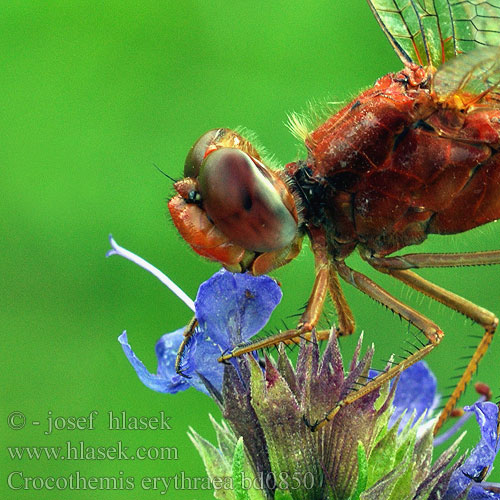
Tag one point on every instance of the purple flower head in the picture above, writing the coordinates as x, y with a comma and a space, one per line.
230, 309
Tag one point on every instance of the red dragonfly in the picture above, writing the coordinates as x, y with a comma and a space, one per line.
416, 154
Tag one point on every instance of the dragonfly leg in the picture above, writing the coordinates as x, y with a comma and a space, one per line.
425, 260
425, 325
309, 318
479, 315
345, 318
188, 332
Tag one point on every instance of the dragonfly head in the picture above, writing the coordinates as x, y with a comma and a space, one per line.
233, 209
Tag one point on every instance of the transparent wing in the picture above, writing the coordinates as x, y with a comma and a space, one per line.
476, 73
430, 32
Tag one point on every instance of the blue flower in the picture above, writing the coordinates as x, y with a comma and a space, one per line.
416, 392
230, 308
411, 398
481, 457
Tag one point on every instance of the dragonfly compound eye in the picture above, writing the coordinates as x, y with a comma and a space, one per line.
239, 196
199, 149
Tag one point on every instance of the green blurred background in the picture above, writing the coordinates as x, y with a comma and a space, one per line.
92, 94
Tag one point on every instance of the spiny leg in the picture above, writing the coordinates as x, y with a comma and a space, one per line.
478, 314
346, 323
425, 325
188, 333
307, 321
326, 281
345, 317
308, 336
191, 327
425, 260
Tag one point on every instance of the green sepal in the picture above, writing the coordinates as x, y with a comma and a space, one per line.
282, 495
226, 440
362, 472
216, 464
383, 455
240, 493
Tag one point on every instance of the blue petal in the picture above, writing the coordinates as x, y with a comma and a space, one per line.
416, 391
166, 379
482, 455
479, 493
200, 357
231, 308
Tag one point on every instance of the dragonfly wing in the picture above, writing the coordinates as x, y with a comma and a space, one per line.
430, 32
476, 74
